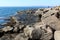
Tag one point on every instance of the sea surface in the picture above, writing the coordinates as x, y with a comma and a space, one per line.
8, 11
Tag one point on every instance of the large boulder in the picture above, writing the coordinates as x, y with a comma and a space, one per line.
53, 21
57, 35
36, 34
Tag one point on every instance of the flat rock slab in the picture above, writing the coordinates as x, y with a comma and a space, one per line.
57, 35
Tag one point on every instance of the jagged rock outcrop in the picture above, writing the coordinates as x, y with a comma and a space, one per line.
36, 24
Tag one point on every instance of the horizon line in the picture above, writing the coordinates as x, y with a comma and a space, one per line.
26, 6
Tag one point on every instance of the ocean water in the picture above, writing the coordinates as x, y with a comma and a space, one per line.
8, 11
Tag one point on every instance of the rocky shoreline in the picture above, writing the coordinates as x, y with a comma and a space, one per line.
36, 24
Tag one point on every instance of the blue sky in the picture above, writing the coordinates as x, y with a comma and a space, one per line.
29, 2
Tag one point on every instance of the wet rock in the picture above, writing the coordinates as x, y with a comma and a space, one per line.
26, 19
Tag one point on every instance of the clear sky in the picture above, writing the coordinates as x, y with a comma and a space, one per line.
29, 2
